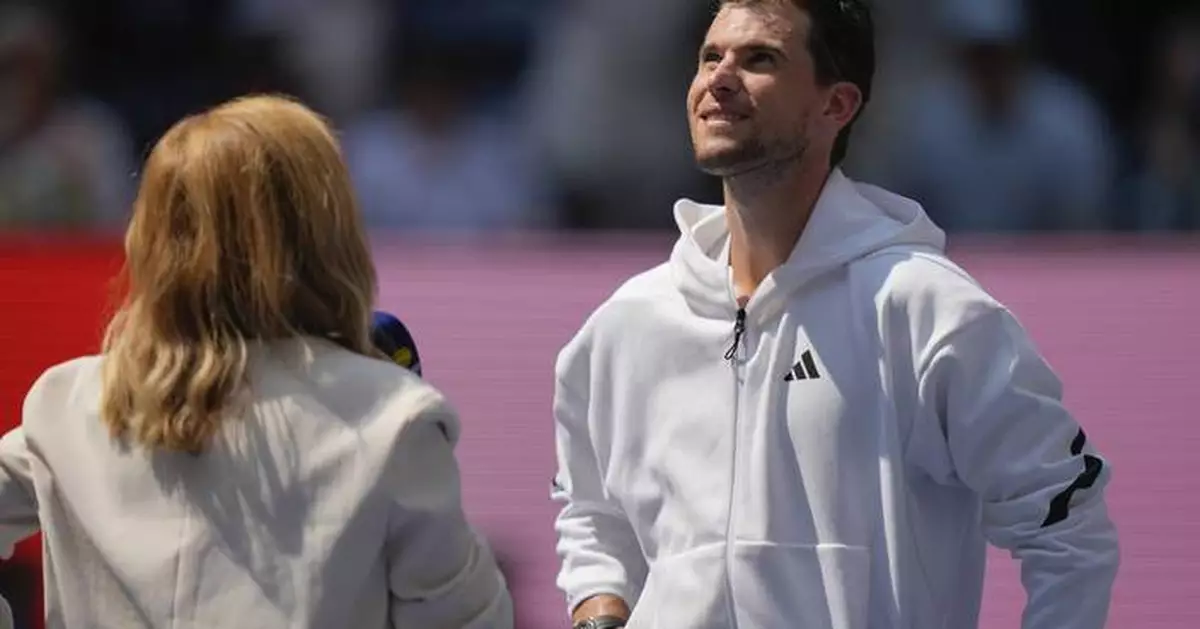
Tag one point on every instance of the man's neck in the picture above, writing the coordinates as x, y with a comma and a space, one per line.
766, 213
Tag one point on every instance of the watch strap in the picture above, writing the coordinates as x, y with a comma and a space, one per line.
601, 622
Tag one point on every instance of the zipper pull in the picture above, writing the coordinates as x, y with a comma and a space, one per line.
739, 328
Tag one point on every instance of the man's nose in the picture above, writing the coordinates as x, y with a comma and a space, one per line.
724, 81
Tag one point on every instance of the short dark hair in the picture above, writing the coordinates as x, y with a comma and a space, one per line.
842, 43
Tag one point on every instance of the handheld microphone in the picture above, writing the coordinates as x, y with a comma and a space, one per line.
392, 337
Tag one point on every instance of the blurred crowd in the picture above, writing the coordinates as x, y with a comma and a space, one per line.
485, 115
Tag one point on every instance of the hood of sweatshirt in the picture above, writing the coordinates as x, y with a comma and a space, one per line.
850, 220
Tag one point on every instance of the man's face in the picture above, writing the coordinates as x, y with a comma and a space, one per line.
755, 100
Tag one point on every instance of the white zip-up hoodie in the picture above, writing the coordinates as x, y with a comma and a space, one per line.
880, 418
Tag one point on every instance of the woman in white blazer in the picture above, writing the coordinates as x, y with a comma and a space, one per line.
239, 455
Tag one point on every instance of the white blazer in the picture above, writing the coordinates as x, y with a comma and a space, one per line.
333, 500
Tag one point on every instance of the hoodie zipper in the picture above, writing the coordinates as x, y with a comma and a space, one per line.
739, 329
732, 355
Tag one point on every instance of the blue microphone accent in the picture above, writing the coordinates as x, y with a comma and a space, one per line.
392, 337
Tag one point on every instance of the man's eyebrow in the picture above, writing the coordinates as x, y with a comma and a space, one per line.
766, 47
751, 47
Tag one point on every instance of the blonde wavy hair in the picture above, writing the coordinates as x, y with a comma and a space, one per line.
245, 229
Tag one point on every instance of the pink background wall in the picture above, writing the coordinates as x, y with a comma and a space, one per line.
1118, 324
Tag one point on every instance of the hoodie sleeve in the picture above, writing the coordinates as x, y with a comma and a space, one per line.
597, 546
989, 416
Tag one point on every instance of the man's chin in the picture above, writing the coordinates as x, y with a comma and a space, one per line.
727, 165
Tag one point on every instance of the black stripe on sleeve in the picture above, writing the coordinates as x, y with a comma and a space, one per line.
1060, 505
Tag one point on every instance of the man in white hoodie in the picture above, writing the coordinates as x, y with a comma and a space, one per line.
809, 417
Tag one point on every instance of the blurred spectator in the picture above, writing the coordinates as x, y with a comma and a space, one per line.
439, 160
334, 50
1072, 37
907, 54
65, 161
502, 33
155, 61
608, 96
1164, 193
999, 142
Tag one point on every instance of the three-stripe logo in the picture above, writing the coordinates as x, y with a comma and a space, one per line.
805, 369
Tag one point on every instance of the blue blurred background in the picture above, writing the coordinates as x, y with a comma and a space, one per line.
484, 115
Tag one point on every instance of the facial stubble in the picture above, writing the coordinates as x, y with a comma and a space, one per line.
757, 154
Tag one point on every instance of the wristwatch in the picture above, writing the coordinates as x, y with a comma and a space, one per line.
601, 622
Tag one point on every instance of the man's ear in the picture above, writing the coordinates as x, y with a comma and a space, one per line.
845, 101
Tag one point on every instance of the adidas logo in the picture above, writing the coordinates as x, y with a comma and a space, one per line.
806, 369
